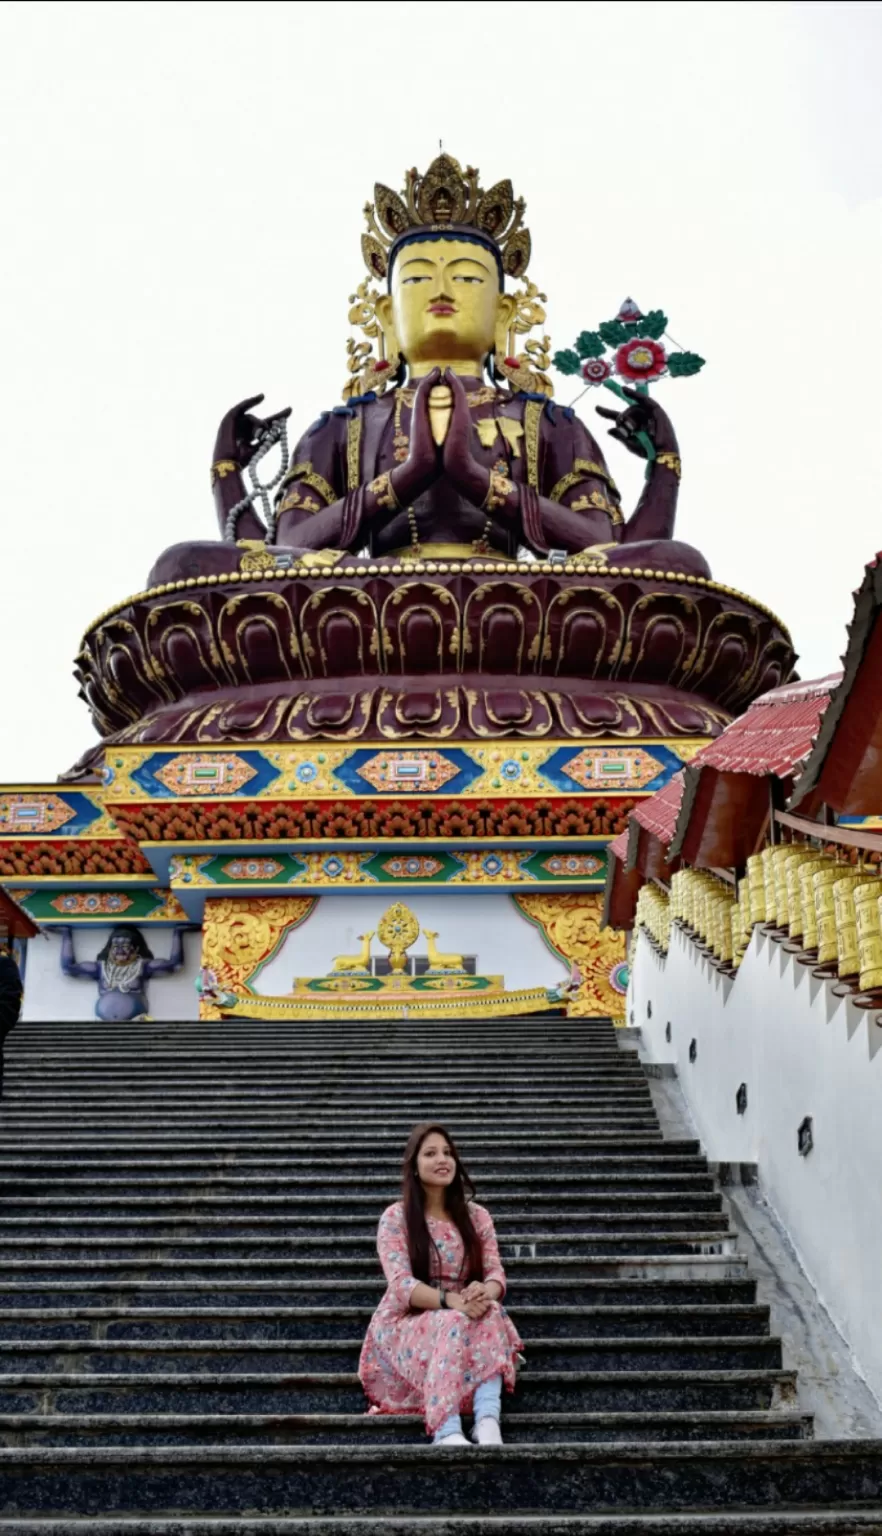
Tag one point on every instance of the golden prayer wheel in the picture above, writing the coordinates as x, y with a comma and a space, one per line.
745, 907
807, 898
768, 857
784, 856
825, 911
869, 930
713, 924
822, 883
844, 897
799, 875
791, 867
740, 932
756, 882
724, 907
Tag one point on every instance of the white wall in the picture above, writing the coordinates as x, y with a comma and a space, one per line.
801, 1051
50, 995
482, 923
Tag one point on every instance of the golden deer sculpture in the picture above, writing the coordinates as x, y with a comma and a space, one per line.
360, 962
438, 961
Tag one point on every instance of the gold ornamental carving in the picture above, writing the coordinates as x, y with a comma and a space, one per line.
238, 935
398, 929
570, 924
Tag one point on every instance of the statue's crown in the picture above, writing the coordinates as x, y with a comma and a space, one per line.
446, 197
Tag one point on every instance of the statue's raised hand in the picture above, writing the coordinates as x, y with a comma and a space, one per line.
422, 467
645, 415
239, 432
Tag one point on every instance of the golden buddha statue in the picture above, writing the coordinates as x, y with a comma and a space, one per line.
448, 444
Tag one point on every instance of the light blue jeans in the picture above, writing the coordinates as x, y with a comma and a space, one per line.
487, 1405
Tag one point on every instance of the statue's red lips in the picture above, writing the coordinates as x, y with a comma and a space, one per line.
442, 309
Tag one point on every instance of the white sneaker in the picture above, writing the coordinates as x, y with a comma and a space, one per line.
455, 1439
487, 1432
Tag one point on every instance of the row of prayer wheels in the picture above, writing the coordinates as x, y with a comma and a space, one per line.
828, 911
653, 915
708, 908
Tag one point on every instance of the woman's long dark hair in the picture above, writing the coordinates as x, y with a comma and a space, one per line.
456, 1202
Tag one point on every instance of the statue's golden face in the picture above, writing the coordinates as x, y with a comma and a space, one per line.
445, 302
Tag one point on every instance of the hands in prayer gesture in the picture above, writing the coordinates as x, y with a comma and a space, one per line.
427, 461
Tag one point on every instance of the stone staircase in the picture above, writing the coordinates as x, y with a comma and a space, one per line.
187, 1267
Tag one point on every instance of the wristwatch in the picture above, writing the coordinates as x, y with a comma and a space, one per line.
444, 1302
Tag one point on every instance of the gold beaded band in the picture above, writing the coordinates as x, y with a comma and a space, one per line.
384, 491
671, 461
221, 469
500, 490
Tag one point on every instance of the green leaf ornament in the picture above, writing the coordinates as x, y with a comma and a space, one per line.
613, 332
590, 344
567, 361
653, 325
682, 364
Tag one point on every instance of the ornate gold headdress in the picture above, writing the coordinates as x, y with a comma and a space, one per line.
446, 195
447, 199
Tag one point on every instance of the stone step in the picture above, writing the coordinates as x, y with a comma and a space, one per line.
785, 1520
345, 1322
235, 1198
318, 1355
588, 1172
695, 1261
619, 1291
94, 1223
106, 1071
378, 1480
358, 1191
604, 1144
365, 1029
73, 1391
240, 1122
183, 1225
283, 1254
386, 1429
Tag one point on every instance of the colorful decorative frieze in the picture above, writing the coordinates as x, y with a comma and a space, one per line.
102, 907
28, 810
343, 771
75, 859
343, 868
261, 824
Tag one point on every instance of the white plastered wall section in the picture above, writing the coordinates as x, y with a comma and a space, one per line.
48, 994
486, 924
801, 1052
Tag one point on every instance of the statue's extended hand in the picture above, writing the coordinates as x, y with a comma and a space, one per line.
471, 479
645, 415
422, 467
239, 432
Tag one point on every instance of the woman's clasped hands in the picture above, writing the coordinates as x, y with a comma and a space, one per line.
474, 1301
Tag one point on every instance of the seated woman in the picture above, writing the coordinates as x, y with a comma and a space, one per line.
439, 1342
509, 468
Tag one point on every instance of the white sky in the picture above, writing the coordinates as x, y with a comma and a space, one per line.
182, 187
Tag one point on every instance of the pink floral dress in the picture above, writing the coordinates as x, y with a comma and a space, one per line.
431, 1362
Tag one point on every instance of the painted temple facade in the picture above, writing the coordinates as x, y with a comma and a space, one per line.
423, 676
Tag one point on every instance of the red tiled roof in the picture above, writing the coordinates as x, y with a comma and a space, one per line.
844, 768
658, 814
776, 733
619, 845
14, 920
